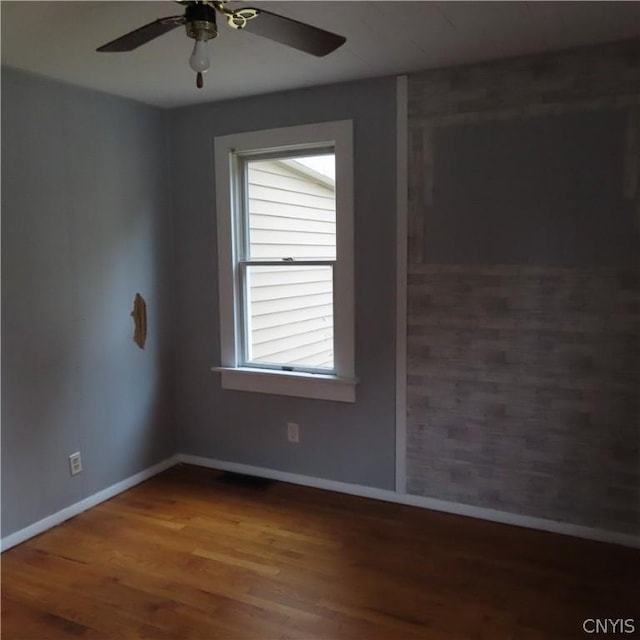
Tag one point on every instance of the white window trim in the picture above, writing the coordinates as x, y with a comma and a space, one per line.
341, 386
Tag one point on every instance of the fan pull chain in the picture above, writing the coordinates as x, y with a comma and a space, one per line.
199, 81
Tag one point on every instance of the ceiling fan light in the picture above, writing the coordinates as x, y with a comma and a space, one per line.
199, 60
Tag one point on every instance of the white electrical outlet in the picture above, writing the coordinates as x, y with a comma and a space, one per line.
75, 463
293, 432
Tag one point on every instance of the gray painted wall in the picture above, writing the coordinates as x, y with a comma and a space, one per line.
537, 191
351, 443
85, 225
524, 286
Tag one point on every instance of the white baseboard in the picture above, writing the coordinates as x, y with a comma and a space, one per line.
481, 513
73, 510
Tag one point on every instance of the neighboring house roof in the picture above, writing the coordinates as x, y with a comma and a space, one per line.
308, 172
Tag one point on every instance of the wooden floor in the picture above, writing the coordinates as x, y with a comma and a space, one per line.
188, 555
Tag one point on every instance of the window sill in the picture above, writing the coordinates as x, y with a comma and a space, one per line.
289, 383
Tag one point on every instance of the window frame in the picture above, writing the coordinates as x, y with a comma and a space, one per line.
230, 152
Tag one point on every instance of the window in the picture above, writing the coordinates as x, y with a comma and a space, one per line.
284, 201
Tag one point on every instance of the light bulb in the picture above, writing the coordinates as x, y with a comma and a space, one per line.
199, 60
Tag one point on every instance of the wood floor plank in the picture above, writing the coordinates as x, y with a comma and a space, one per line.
184, 555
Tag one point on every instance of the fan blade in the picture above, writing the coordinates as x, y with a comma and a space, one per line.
298, 35
141, 36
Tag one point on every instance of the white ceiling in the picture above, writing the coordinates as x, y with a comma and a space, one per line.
58, 39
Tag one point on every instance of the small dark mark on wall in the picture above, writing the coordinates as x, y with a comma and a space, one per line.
139, 315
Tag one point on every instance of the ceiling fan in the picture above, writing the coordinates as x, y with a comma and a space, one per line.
199, 20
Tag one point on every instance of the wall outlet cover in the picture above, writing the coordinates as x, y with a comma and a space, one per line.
75, 463
293, 432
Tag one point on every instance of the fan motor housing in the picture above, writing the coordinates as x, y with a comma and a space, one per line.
200, 21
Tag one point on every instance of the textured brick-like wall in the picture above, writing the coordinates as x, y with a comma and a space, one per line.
524, 379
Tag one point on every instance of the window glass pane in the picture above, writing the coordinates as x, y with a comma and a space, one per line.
290, 315
292, 207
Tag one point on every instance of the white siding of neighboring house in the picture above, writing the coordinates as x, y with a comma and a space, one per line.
292, 215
